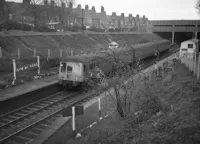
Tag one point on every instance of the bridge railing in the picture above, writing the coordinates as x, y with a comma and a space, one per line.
174, 29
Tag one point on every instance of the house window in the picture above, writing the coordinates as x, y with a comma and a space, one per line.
190, 45
69, 69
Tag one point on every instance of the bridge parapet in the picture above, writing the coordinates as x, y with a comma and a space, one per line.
174, 22
174, 29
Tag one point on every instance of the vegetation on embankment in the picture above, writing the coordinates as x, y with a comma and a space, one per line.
166, 112
75, 42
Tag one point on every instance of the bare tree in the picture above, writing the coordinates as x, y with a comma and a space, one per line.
64, 13
122, 89
198, 6
6, 12
33, 8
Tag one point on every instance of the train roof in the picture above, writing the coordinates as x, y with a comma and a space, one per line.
89, 57
136, 46
191, 41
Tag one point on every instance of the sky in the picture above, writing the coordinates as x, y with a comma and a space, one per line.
153, 9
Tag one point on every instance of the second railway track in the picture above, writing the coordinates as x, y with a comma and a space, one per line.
23, 125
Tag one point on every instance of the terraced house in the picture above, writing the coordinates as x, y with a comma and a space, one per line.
58, 16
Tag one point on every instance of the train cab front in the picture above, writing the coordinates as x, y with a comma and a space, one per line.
71, 74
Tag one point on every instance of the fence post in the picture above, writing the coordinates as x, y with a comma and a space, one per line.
99, 108
49, 54
34, 52
198, 68
191, 64
195, 65
38, 63
0, 52
71, 52
73, 121
14, 71
18, 53
60, 52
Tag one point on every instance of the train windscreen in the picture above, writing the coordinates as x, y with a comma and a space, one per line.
63, 67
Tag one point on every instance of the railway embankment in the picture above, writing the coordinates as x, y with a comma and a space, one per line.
23, 47
165, 111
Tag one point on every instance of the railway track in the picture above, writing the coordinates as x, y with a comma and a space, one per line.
21, 126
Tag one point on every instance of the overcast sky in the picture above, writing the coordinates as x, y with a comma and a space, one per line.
153, 9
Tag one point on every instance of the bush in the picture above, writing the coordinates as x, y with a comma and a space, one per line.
6, 65
96, 29
12, 25
45, 29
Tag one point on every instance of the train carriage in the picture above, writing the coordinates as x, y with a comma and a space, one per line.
75, 70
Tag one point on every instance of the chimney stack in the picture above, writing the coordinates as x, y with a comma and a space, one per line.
26, 1
114, 14
70, 5
46, 2
122, 14
52, 3
93, 8
86, 7
130, 16
137, 17
63, 5
102, 9
79, 6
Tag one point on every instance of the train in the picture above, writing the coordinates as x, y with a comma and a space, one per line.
190, 47
77, 70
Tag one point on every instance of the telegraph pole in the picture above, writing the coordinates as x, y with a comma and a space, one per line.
82, 23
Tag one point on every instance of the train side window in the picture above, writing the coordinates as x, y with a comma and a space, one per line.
63, 67
69, 69
190, 45
84, 68
91, 66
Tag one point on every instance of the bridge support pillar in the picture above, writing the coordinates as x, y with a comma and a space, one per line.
195, 35
173, 37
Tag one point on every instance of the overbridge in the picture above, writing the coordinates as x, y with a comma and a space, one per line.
175, 26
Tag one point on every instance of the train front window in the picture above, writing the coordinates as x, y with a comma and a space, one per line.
69, 69
63, 67
190, 45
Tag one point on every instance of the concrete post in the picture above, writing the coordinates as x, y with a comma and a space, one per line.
0, 52
194, 65
198, 69
34, 53
38, 63
60, 52
14, 71
99, 108
173, 37
196, 33
71, 52
73, 121
18, 53
48, 54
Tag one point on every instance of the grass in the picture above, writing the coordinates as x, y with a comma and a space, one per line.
166, 112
